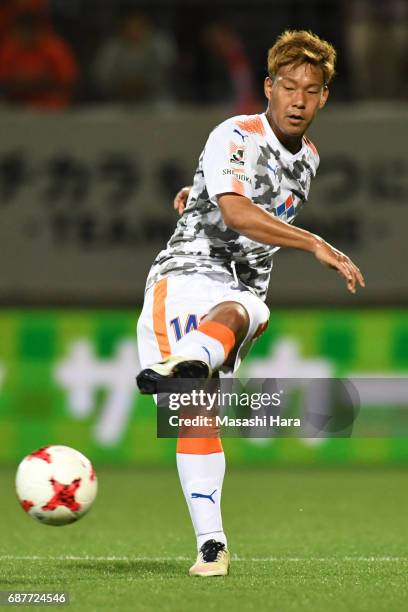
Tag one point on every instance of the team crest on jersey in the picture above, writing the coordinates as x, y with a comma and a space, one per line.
237, 155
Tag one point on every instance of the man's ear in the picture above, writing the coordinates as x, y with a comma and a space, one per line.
268, 83
324, 96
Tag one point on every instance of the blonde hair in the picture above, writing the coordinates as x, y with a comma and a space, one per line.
295, 47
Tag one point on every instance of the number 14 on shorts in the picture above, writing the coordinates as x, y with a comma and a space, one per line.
190, 323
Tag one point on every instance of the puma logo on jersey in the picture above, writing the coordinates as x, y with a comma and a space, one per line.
243, 136
274, 170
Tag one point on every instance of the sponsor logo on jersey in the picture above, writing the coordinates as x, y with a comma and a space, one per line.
239, 175
287, 207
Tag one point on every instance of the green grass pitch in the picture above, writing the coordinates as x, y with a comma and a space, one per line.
301, 540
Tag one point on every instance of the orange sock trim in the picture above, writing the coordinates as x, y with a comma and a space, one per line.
199, 446
190, 443
220, 332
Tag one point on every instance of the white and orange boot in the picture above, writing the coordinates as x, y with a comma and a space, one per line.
213, 560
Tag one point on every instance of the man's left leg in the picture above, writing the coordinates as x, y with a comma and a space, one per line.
201, 468
227, 328
201, 461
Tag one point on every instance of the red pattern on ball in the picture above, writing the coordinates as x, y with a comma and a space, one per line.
26, 504
41, 453
64, 495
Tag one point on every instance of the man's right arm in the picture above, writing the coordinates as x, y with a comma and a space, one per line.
243, 216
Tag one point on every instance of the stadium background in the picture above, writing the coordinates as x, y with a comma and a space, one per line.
86, 195
86, 202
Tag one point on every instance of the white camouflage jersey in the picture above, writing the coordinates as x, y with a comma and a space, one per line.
244, 156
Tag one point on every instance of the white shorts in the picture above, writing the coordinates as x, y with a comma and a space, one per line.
175, 305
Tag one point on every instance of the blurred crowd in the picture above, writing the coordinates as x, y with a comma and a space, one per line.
58, 53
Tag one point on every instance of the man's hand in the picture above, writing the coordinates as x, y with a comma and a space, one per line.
252, 221
181, 199
337, 260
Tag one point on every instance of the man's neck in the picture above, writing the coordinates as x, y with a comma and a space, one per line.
291, 143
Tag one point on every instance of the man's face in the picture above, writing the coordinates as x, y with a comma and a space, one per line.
295, 95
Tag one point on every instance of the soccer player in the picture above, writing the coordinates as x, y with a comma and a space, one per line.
204, 302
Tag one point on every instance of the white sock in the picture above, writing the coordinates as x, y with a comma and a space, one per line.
201, 478
196, 345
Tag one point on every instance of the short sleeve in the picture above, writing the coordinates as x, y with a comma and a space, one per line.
229, 161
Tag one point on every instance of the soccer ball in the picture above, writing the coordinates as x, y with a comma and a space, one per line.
56, 485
